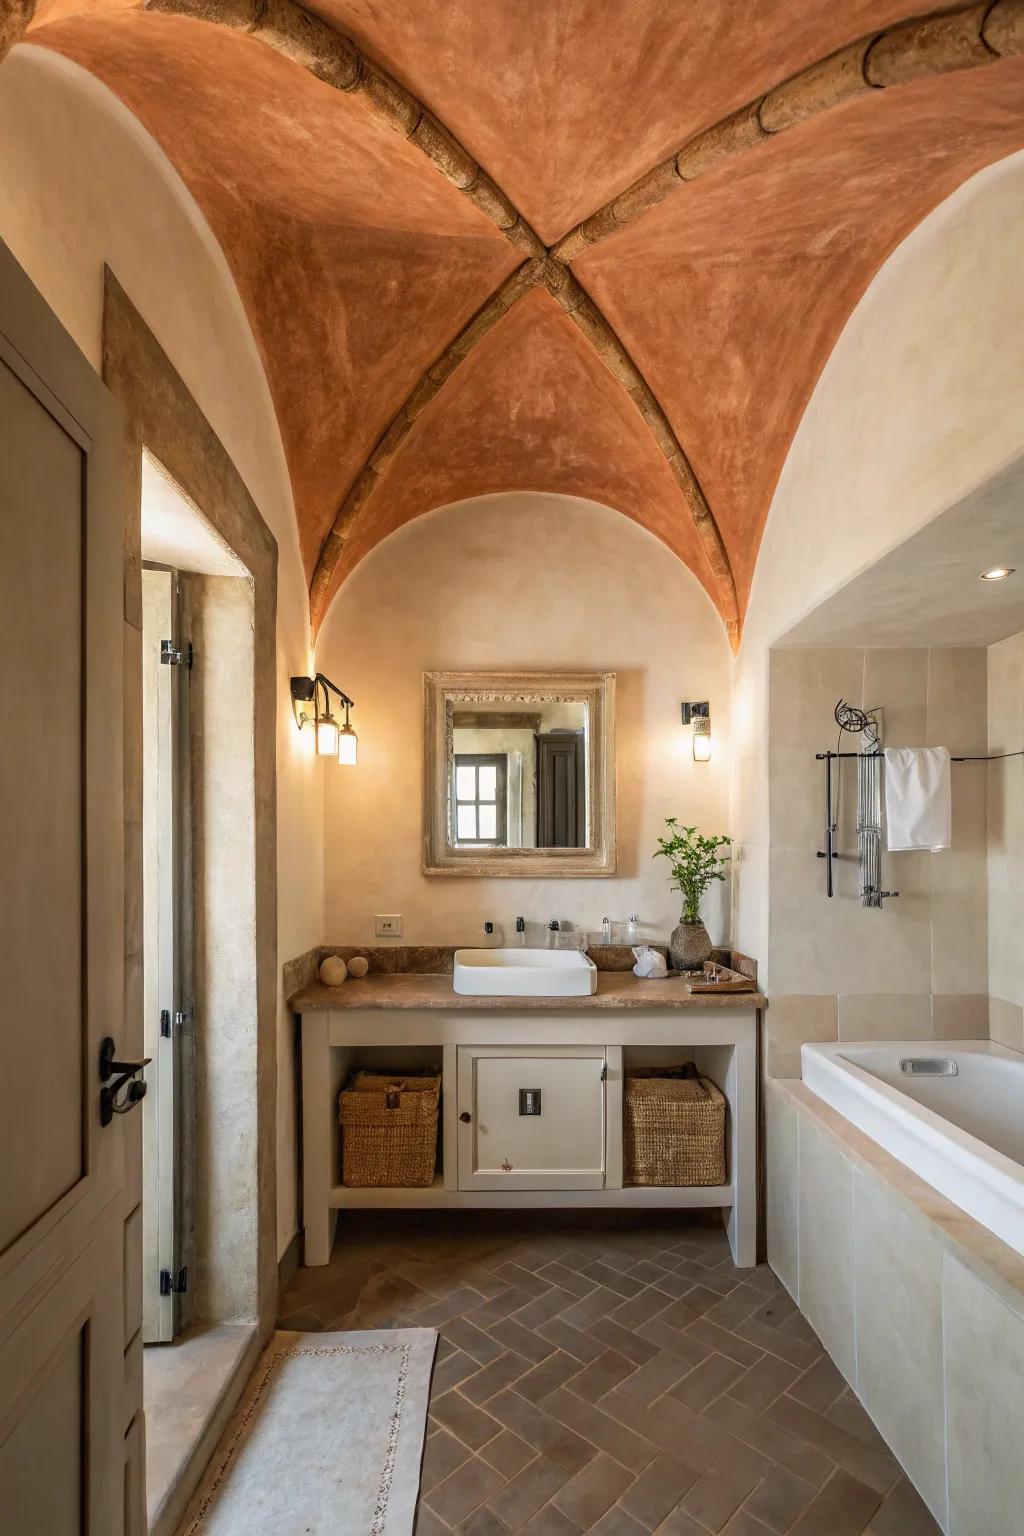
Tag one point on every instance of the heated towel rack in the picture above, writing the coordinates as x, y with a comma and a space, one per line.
869, 800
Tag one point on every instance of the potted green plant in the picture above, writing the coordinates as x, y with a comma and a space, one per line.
695, 862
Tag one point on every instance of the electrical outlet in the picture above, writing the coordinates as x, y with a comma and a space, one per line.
388, 925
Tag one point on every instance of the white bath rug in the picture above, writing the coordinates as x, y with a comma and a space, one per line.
327, 1440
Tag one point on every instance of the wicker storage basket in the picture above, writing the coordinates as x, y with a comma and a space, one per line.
389, 1131
673, 1129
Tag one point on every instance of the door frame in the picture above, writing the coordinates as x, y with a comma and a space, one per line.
162, 416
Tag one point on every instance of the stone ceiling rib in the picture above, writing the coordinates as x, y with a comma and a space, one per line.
932, 45
302, 37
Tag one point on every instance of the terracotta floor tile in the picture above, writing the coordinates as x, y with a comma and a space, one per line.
617, 1523
466, 1488
716, 1496
559, 1334
868, 1464
442, 1453
601, 1375
624, 1340
528, 1342
599, 1429
527, 1492
547, 1433
483, 1522
657, 1490
902, 1513
507, 1453
585, 1497
472, 1425
572, 1346
819, 1386
549, 1374
501, 1373
707, 1381
842, 1508
763, 1383
472, 1340
549, 1521
780, 1499
654, 1378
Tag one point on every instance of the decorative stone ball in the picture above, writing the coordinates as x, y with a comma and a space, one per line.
358, 965
333, 971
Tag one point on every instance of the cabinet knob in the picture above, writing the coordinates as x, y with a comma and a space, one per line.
465, 1117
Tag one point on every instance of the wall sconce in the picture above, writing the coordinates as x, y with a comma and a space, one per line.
699, 717
331, 740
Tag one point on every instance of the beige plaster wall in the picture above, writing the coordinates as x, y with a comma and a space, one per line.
918, 967
518, 580
1006, 841
84, 185
921, 400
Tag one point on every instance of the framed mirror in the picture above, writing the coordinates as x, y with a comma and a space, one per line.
519, 773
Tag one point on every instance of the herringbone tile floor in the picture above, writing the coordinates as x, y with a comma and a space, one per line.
616, 1377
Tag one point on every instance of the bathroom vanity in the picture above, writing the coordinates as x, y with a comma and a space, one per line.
532, 1087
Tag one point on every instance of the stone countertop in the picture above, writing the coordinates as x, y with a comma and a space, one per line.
615, 989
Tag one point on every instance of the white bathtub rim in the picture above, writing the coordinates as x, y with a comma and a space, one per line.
987, 1185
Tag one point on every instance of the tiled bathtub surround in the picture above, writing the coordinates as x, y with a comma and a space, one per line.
1006, 840
920, 1307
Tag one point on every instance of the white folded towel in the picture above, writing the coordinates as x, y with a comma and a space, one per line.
918, 800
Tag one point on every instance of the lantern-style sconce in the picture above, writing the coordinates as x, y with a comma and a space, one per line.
698, 717
332, 740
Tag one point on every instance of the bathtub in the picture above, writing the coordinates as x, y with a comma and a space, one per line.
963, 1134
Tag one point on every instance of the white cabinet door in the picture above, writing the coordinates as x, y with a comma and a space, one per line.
532, 1117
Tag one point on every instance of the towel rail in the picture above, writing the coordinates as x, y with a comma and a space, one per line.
868, 839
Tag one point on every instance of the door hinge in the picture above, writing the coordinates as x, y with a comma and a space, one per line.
174, 656
165, 1021
604, 1072
171, 1285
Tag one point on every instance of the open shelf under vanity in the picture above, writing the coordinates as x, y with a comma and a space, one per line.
579, 1056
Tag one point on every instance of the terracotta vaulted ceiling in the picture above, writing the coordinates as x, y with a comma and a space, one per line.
594, 246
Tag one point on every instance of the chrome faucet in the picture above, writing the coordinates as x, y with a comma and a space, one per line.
521, 932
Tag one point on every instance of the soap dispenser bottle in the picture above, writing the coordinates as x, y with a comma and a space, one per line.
554, 928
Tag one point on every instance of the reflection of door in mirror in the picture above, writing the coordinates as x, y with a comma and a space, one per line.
561, 790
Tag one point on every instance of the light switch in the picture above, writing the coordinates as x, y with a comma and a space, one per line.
388, 925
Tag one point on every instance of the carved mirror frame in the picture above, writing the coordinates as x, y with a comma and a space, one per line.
446, 692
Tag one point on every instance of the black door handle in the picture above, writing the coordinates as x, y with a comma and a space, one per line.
465, 1117
134, 1087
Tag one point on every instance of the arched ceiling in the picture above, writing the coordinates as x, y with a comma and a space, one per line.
598, 246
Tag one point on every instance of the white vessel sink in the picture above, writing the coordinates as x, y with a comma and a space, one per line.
524, 973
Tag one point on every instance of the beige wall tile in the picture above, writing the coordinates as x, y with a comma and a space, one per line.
885, 1016
803, 686
782, 1178
984, 1380
823, 946
1006, 1023
898, 681
783, 1058
957, 699
825, 1259
959, 1016
959, 920
898, 1292
802, 1018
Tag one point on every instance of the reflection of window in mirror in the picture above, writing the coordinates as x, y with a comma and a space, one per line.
481, 799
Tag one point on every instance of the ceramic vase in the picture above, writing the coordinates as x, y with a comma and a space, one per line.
689, 946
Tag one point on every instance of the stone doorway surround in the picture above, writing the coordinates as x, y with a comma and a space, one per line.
237, 1278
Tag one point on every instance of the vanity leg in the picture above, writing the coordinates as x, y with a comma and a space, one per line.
742, 1224
319, 1120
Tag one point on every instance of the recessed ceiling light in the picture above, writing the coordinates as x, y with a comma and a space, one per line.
997, 573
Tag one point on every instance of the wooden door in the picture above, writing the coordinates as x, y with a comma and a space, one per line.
561, 790
62, 1307
532, 1117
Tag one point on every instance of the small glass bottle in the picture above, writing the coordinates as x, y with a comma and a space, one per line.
606, 930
